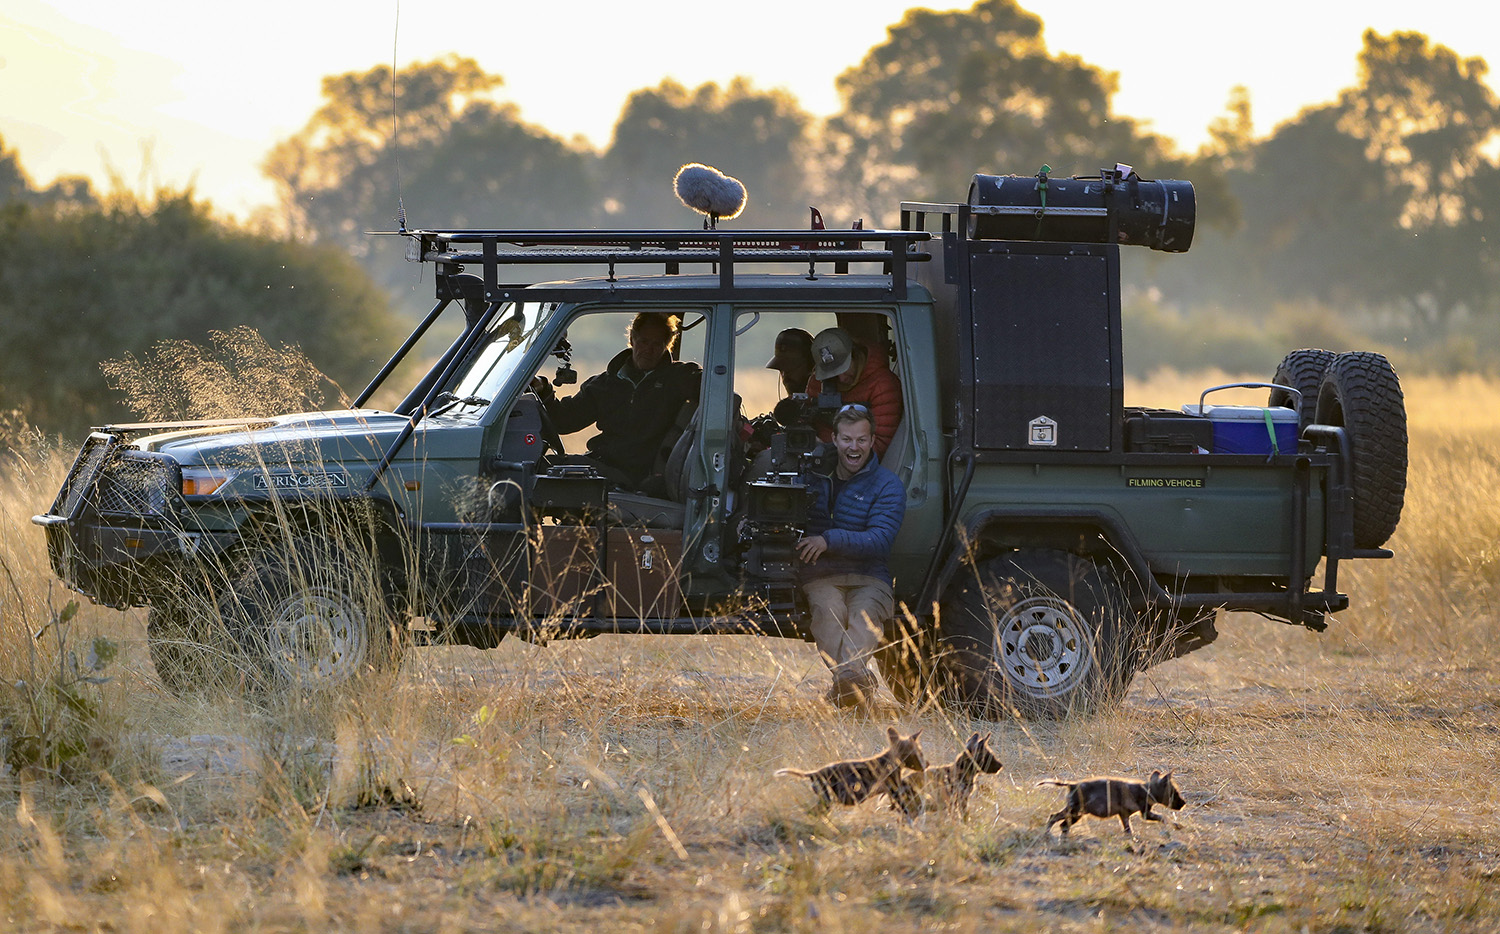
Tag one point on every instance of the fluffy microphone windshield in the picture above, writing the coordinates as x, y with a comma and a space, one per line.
708, 191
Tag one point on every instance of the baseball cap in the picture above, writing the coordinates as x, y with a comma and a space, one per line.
793, 345
832, 350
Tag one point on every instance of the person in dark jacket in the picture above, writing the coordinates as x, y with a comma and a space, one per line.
856, 513
641, 397
793, 359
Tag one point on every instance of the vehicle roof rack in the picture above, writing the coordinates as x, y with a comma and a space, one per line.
605, 250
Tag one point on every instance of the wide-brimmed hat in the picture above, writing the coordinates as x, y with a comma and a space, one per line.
793, 346
833, 353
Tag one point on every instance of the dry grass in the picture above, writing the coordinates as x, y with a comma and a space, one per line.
1336, 782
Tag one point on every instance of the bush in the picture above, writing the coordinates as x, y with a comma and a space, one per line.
80, 284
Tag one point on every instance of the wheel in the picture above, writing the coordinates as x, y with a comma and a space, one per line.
188, 646
1303, 371
1362, 394
1043, 633
313, 614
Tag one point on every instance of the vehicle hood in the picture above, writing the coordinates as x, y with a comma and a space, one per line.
348, 436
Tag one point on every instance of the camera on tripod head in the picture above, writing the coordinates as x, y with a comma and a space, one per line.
800, 417
778, 496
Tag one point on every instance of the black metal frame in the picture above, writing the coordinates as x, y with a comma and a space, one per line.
724, 251
671, 249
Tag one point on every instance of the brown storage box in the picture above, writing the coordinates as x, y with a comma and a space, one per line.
639, 579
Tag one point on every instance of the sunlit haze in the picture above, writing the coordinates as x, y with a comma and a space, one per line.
174, 94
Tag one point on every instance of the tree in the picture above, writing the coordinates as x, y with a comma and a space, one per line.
759, 137
1427, 118
16, 185
79, 285
1232, 134
952, 93
439, 144
1383, 198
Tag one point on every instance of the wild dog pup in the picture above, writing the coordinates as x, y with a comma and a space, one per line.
854, 780
952, 784
1115, 797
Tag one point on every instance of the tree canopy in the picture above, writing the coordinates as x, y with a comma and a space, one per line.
439, 142
1384, 200
760, 137
952, 93
1387, 196
16, 185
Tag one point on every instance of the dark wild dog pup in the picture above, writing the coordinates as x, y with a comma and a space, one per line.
854, 780
953, 784
1115, 797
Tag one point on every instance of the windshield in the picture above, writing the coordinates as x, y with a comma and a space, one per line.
503, 347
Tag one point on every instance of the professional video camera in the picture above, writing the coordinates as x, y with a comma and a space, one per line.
797, 419
777, 496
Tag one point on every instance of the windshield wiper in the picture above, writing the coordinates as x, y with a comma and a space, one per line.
447, 400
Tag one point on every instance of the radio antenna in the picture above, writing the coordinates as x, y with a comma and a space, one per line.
396, 125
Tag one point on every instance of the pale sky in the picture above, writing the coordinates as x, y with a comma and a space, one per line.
89, 86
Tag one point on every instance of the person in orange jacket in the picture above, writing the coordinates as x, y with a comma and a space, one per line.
842, 365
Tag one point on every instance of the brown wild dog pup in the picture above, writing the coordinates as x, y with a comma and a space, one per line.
953, 784
854, 780
1115, 797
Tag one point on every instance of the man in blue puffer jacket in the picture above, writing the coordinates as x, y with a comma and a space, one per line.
855, 516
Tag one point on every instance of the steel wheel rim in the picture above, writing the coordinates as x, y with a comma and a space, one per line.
318, 638
1044, 647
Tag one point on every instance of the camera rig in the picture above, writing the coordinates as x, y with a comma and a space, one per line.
778, 492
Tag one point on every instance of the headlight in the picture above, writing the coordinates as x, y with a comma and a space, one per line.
201, 481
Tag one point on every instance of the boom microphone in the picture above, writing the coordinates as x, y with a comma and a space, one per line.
709, 192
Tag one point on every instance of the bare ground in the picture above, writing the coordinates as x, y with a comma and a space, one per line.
627, 783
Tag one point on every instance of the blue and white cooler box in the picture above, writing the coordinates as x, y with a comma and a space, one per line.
1250, 429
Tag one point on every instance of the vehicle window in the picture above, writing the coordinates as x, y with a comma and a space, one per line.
598, 343
761, 388
511, 335
597, 338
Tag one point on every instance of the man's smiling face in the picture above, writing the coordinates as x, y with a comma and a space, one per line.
854, 440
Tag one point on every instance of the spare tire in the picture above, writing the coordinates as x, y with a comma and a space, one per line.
1303, 371
1362, 394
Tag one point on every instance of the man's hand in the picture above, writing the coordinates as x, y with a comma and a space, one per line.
542, 387
810, 549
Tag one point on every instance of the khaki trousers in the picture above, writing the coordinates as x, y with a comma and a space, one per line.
848, 619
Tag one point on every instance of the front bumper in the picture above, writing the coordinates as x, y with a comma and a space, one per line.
113, 533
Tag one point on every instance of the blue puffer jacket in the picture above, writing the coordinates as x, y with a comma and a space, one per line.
860, 525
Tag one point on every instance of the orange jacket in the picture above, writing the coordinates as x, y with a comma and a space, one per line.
878, 390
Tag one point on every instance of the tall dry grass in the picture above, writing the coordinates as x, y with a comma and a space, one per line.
1441, 591
1336, 782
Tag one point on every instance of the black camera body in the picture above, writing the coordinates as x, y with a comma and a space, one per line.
775, 517
779, 495
800, 417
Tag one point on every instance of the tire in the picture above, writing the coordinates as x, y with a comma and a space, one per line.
189, 647
1361, 394
1302, 370
313, 614
1045, 634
